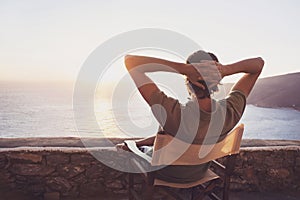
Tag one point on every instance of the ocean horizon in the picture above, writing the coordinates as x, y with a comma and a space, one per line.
46, 111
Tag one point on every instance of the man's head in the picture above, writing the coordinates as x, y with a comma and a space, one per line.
197, 57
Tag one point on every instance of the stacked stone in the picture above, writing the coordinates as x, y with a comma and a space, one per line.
55, 175
268, 169
71, 173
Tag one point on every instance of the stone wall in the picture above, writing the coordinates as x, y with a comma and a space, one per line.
274, 168
59, 173
71, 172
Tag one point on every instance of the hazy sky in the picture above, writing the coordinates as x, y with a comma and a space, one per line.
49, 40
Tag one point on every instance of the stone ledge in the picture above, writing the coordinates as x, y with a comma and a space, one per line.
271, 148
29, 149
57, 149
100, 142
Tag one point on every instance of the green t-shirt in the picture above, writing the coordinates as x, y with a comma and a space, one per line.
191, 124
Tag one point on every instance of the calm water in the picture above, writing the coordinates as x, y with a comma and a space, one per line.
42, 111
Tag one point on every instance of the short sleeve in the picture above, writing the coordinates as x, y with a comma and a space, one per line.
167, 111
235, 106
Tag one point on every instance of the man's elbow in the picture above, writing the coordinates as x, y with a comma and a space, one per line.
128, 61
128, 57
261, 63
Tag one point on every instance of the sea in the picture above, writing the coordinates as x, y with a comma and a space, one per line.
46, 110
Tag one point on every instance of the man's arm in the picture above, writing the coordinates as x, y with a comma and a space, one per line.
145, 142
142, 142
150, 64
252, 69
138, 66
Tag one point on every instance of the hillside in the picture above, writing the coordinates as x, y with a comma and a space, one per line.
277, 91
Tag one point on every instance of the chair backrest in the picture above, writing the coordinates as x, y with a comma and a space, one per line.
172, 151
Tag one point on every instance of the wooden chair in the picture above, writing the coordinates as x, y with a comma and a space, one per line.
216, 178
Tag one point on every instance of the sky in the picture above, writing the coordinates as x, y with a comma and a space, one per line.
49, 40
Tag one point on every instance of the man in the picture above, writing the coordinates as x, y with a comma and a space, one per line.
191, 122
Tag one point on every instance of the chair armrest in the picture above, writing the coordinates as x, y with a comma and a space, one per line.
217, 165
230, 163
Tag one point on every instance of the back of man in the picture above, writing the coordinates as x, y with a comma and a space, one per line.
210, 128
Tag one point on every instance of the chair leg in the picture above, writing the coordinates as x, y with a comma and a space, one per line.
226, 188
130, 186
147, 190
148, 193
